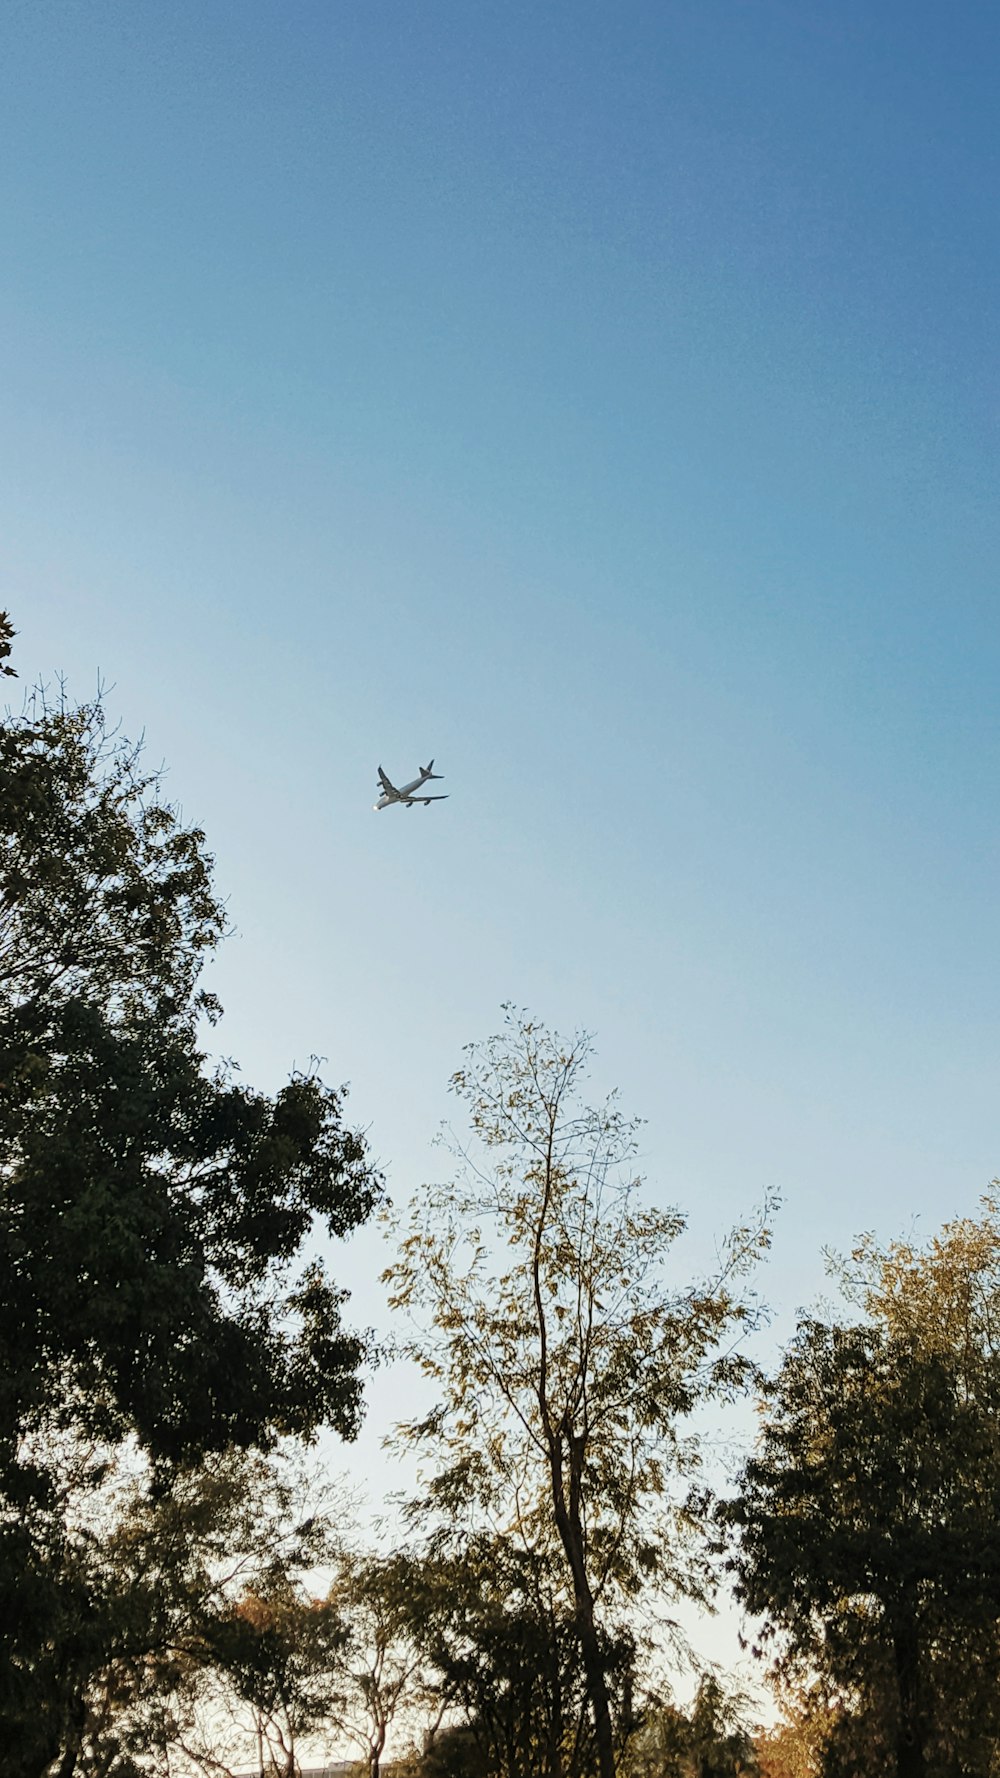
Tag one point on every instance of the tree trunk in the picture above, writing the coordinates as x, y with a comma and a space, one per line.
74, 1736
910, 1760
376, 1746
597, 1686
570, 1528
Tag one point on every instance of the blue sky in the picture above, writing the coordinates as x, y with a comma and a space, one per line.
604, 400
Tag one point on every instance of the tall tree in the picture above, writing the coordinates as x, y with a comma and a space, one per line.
867, 1540
154, 1210
566, 1364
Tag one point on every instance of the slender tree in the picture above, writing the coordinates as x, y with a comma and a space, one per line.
383, 1675
566, 1365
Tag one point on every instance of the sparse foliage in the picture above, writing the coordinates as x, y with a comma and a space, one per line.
566, 1364
382, 1673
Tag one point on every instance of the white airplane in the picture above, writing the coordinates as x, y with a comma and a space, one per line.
407, 793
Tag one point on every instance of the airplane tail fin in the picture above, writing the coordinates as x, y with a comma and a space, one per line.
429, 772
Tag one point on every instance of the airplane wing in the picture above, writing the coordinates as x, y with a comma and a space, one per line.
390, 789
431, 799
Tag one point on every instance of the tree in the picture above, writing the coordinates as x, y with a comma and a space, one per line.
566, 1366
279, 1651
381, 1674
172, 1585
317, 1669
867, 1537
711, 1740
943, 1298
498, 1632
153, 1209
454, 1753
795, 1747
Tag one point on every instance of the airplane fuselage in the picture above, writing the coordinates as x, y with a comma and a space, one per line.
408, 794
403, 795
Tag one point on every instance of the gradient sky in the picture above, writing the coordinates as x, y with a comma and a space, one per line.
603, 399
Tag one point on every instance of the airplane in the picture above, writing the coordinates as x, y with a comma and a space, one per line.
406, 794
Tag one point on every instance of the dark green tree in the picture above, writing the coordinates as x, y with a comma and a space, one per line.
154, 1210
867, 1525
454, 1753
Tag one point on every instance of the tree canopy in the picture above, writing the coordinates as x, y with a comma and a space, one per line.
169, 1334
867, 1522
156, 1212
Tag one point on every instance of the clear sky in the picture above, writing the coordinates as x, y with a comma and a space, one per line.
603, 399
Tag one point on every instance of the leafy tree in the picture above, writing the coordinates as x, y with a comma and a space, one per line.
279, 1651
165, 1578
454, 1753
794, 1747
867, 1537
566, 1365
943, 1298
153, 1209
499, 1633
382, 1673
711, 1740
291, 1668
